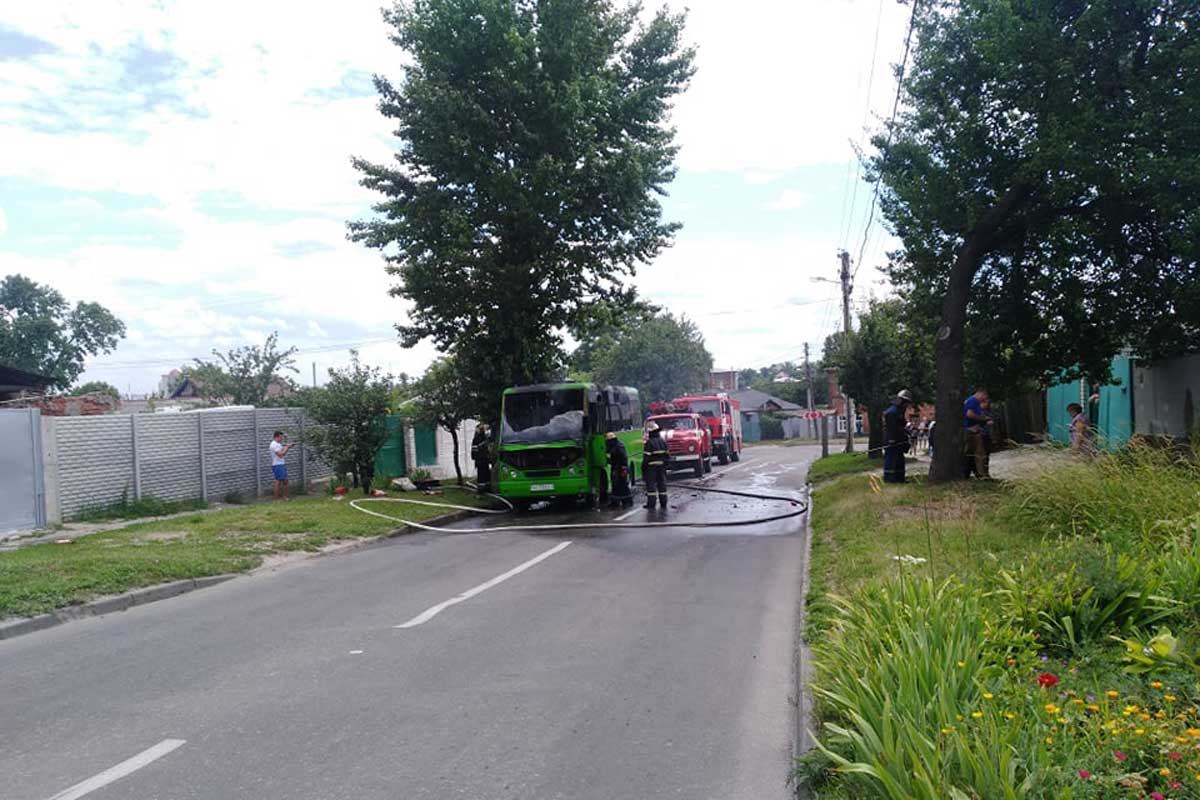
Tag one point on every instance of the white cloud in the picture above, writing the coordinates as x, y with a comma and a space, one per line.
3, 222
788, 200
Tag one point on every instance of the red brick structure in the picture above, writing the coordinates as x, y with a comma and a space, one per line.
86, 405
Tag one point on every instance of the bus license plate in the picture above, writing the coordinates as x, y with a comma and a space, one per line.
542, 487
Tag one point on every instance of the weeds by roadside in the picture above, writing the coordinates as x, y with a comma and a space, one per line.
133, 509
1033, 640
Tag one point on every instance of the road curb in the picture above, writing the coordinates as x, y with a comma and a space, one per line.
108, 605
801, 739
164, 591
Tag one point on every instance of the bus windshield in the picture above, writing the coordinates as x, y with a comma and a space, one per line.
541, 417
707, 408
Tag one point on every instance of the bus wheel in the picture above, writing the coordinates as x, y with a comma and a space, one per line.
521, 504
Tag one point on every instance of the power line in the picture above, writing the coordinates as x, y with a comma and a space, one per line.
890, 129
849, 219
175, 361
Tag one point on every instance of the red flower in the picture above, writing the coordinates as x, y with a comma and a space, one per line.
1174, 785
1119, 756
1157, 796
1174, 756
1083, 773
1047, 679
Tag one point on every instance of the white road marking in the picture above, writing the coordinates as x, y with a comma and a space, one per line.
744, 462
120, 770
432, 612
628, 514
356, 652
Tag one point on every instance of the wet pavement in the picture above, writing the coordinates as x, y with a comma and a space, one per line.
622, 662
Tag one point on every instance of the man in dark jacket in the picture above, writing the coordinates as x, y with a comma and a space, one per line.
654, 466
618, 461
895, 437
481, 454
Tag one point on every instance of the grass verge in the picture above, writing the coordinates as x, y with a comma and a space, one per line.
43, 577
1039, 639
837, 464
134, 509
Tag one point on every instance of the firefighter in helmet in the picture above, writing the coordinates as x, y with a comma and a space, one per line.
481, 454
654, 466
618, 461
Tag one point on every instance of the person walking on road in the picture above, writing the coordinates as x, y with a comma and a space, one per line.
977, 424
895, 437
654, 466
1083, 438
618, 462
481, 454
279, 452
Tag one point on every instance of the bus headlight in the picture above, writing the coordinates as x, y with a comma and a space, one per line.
572, 471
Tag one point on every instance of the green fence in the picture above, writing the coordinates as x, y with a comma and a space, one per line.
390, 458
1111, 417
425, 441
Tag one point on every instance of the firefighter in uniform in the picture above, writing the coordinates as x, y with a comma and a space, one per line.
481, 454
654, 467
618, 460
895, 437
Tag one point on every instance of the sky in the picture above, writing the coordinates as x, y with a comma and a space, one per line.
187, 165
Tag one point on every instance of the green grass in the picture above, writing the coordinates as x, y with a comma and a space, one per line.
837, 464
1013, 579
42, 577
133, 509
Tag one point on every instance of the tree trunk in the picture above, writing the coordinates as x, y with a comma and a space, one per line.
875, 436
948, 434
454, 438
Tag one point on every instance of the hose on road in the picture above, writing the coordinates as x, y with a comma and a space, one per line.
798, 507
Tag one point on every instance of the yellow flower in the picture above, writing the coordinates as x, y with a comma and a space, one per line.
947, 730
1077, 701
988, 695
1166, 773
1144, 715
1139, 731
1111, 693
1049, 740
959, 717
976, 714
1170, 698
1131, 710
1062, 720
1051, 708
1155, 684
1159, 715
1193, 732
1009, 715
1181, 739
1093, 707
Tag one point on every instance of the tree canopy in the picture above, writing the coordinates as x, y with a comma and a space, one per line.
879, 359
41, 332
350, 412
243, 375
533, 143
439, 398
1044, 176
96, 387
663, 357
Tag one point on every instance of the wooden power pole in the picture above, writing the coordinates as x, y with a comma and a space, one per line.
847, 288
808, 391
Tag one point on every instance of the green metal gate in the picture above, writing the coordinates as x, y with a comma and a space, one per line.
1112, 419
390, 458
425, 441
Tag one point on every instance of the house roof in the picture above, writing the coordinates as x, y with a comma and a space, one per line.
15, 380
754, 400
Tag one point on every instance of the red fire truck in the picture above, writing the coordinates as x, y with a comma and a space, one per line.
689, 442
724, 417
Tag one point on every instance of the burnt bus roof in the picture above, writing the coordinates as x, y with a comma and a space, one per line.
546, 387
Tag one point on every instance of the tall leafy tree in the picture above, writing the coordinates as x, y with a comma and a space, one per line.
662, 357
350, 411
243, 375
1045, 180
41, 332
533, 143
879, 359
439, 398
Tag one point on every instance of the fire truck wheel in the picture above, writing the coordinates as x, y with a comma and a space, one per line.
723, 457
698, 470
736, 455
707, 463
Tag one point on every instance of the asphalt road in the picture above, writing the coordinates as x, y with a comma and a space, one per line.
629, 663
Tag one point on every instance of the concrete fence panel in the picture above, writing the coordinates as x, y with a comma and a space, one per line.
95, 461
169, 456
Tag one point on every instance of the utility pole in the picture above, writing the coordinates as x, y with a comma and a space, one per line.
314, 365
847, 288
808, 389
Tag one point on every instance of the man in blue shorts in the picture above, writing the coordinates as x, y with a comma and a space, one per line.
279, 452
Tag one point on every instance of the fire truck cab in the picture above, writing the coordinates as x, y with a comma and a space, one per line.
724, 418
689, 441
